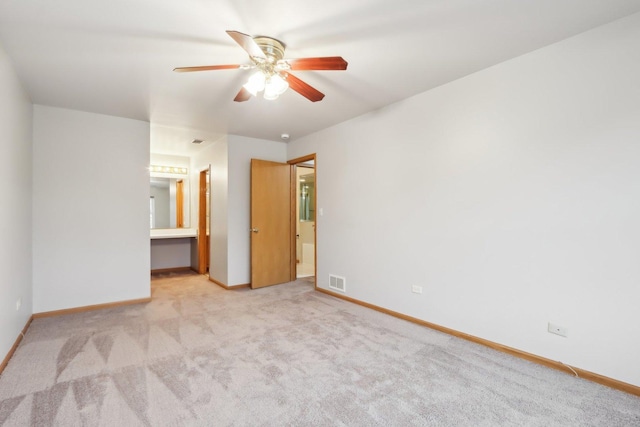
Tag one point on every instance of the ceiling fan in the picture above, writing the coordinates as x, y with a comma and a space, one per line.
273, 76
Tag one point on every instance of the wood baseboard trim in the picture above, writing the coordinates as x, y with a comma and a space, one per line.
15, 345
90, 308
227, 287
172, 270
591, 376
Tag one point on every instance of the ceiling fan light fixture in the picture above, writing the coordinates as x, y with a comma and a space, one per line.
275, 87
256, 83
270, 96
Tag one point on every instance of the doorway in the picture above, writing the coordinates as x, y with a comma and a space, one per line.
304, 218
203, 220
271, 211
276, 194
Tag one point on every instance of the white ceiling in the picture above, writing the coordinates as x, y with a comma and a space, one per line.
116, 56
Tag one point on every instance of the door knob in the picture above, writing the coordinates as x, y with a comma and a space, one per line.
255, 230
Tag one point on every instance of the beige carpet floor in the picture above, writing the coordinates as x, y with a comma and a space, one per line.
199, 355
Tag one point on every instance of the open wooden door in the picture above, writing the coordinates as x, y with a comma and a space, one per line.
179, 203
203, 222
270, 223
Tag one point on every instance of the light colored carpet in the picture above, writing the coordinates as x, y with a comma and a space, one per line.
198, 355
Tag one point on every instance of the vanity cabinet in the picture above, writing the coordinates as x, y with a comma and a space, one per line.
171, 248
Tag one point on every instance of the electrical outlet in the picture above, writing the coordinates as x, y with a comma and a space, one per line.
416, 289
18, 304
558, 330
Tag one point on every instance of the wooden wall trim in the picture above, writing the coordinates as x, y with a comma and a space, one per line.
591, 376
15, 345
302, 159
90, 308
222, 285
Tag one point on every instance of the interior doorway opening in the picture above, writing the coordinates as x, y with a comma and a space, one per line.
203, 221
305, 220
305, 194
282, 210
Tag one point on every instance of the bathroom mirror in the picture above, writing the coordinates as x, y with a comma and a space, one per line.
169, 202
307, 188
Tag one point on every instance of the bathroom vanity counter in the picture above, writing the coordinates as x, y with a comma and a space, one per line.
173, 233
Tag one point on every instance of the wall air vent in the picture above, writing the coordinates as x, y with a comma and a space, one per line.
338, 283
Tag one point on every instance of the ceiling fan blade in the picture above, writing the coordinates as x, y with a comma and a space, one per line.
247, 43
327, 63
206, 68
243, 95
303, 88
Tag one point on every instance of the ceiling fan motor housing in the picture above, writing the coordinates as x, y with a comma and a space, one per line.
272, 48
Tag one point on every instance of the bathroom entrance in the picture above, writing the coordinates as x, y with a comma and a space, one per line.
306, 218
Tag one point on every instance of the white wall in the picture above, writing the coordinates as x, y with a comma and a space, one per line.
169, 160
198, 162
512, 196
16, 118
241, 151
90, 209
215, 156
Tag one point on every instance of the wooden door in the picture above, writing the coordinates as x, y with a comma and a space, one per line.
270, 223
203, 220
179, 204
